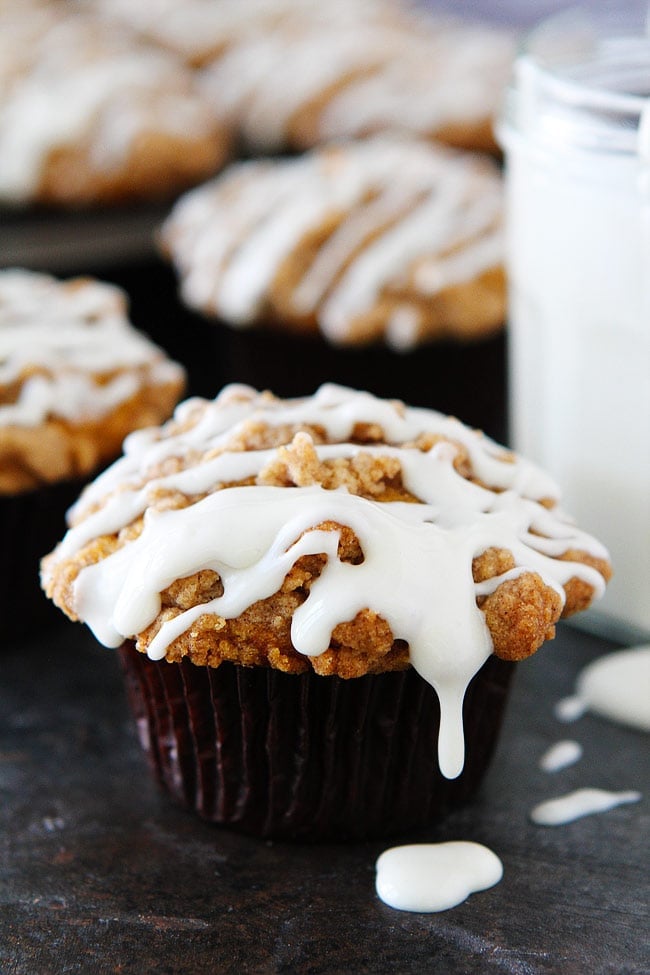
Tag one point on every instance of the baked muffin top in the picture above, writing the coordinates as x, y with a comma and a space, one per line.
329, 71
383, 239
290, 74
90, 114
75, 377
339, 532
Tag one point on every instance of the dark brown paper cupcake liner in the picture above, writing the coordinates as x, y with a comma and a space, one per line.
32, 523
307, 757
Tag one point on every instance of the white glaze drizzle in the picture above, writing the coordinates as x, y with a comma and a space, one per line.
376, 67
453, 74
71, 335
417, 567
560, 756
403, 206
262, 82
431, 877
198, 29
582, 802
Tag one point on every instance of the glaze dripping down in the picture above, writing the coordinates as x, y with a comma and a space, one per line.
416, 570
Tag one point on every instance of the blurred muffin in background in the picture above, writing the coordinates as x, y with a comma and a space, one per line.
327, 264
75, 379
201, 30
303, 84
291, 74
91, 115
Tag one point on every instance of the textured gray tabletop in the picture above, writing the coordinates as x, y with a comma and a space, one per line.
100, 874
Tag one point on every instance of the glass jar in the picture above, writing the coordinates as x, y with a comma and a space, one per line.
575, 130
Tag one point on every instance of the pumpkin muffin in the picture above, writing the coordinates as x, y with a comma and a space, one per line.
319, 603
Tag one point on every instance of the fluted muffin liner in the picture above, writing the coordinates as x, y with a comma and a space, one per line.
307, 757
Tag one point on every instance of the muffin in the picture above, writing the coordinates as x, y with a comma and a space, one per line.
319, 603
75, 378
353, 70
292, 74
200, 31
90, 115
326, 265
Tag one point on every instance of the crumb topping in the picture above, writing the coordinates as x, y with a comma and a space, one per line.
387, 456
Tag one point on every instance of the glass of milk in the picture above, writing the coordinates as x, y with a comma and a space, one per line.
575, 130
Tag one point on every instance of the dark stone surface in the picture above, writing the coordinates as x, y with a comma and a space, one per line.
100, 873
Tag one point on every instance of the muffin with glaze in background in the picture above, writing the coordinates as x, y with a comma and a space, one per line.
319, 602
374, 263
91, 116
75, 378
288, 75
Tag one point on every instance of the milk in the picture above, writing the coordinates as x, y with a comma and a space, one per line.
578, 228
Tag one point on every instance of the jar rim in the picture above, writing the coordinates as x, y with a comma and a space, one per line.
581, 78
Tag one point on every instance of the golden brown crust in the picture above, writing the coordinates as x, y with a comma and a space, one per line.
260, 636
77, 378
475, 135
303, 128
520, 615
157, 166
469, 310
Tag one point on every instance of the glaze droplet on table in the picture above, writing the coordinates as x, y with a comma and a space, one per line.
431, 877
